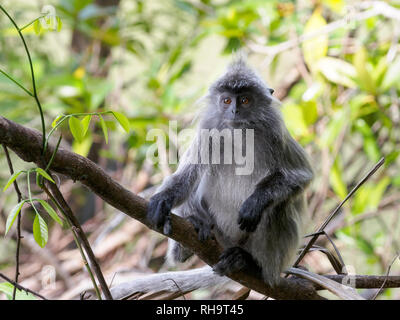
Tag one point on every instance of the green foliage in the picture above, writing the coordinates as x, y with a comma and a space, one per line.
8, 288
40, 231
344, 107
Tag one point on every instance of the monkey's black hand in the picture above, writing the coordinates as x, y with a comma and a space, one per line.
235, 259
159, 209
202, 227
250, 213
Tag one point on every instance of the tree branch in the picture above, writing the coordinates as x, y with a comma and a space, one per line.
26, 143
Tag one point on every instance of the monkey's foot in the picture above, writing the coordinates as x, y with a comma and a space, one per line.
236, 259
202, 227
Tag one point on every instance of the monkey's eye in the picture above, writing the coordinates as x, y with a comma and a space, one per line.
227, 100
244, 100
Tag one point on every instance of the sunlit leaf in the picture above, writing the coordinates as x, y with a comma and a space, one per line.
44, 174
40, 231
360, 62
37, 27
13, 214
123, 120
12, 179
49, 209
336, 180
83, 147
76, 128
54, 123
370, 144
8, 288
317, 47
85, 123
59, 24
377, 191
293, 116
333, 129
104, 128
338, 71
336, 5
392, 76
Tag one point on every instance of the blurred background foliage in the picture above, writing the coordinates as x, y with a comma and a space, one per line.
153, 60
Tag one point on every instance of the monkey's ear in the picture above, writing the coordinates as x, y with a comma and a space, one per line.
271, 91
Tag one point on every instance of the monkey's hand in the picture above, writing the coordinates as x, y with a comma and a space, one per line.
250, 212
202, 227
159, 209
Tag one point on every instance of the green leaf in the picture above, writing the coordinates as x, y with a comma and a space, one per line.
37, 26
370, 144
49, 209
104, 128
76, 128
338, 71
85, 123
44, 174
83, 147
336, 180
123, 120
360, 62
59, 24
316, 48
13, 214
377, 191
40, 231
12, 179
293, 115
8, 288
392, 76
54, 123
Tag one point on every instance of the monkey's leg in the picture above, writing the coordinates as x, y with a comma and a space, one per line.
177, 252
236, 259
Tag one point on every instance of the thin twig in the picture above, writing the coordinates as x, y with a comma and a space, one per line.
35, 94
19, 195
19, 287
387, 276
56, 193
321, 229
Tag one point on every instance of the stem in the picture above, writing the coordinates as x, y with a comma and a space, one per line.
35, 95
16, 82
333, 214
57, 195
28, 24
19, 195
89, 270
75, 236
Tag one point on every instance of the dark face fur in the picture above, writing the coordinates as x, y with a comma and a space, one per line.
239, 99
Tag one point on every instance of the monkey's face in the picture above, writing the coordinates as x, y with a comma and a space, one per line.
235, 107
242, 107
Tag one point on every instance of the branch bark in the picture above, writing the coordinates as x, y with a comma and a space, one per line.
26, 143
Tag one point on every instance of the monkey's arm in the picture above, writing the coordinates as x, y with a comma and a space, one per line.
173, 192
278, 186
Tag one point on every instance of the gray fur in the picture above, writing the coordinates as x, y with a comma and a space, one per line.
220, 198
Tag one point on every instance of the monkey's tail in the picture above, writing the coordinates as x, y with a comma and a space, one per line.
176, 283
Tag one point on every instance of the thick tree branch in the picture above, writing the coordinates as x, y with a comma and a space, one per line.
26, 143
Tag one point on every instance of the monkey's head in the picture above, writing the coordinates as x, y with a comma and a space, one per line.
239, 98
